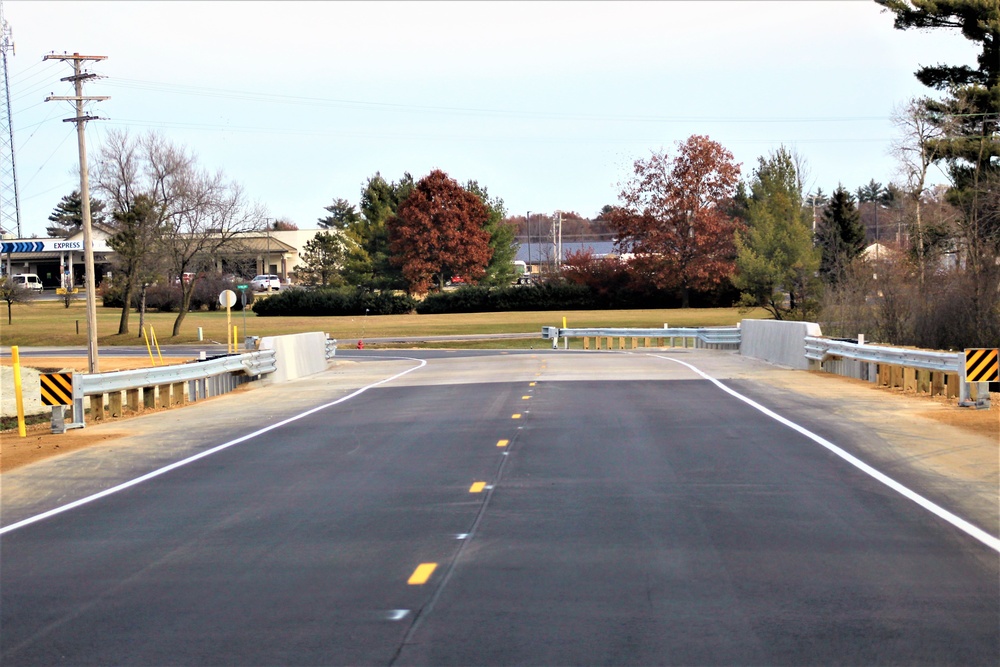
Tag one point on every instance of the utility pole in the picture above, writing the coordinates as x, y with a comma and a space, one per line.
88, 237
527, 223
559, 245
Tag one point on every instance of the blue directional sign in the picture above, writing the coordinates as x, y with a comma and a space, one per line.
21, 246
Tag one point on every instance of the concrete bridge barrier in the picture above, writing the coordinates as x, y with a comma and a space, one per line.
778, 342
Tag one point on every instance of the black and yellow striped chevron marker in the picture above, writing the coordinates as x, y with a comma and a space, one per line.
57, 388
982, 365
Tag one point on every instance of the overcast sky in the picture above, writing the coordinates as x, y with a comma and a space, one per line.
547, 104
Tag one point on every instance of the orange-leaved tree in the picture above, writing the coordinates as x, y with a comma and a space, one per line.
438, 233
673, 216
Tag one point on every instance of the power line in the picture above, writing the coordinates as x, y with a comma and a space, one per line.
514, 113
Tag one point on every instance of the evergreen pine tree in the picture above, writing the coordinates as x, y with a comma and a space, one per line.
67, 216
840, 235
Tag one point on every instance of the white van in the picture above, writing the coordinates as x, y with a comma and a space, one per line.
29, 281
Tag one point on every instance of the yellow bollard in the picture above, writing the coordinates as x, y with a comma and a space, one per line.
18, 398
158, 354
148, 348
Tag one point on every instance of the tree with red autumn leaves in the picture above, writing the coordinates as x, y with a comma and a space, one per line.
673, 216
439, 233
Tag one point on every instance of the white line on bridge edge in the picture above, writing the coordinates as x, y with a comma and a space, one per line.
207, 452
958, 522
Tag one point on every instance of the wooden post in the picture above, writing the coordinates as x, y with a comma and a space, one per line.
149, 397
647, 343
115, 403
883, 375
952, 381
586, 342
178, 393
910, 379
621, 343
611, 343
97, 406
163, 396
896, 376
132, 399
597, 342
937, 383
923, 381
635, 343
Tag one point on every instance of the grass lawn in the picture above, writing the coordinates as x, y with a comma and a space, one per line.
49, 323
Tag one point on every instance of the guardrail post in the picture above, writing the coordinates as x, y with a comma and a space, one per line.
58, 419
951, 383
149, 397
163, 396
910, 379
177, 389
937, 383
923, 381
132, 399
97, 406
621, 342
115, 403
586, 342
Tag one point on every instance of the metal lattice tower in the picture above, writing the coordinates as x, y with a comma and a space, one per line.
10, 203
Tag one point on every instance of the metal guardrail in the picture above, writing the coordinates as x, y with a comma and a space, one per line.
204, 378
716, 337
824, 350
821, 349
331, 347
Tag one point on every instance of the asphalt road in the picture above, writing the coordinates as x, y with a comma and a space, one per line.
528, 509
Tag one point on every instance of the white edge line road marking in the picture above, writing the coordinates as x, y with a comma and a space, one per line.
960, 523
201, 455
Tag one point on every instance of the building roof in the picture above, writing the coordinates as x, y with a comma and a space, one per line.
542, 252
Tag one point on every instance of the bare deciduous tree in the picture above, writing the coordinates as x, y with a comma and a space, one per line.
188, 214
11, 292
213, 214
916, 149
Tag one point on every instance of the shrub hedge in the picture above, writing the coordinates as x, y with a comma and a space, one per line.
563, 296
333, 301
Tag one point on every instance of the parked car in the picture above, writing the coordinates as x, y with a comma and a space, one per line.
28, 281
263, 283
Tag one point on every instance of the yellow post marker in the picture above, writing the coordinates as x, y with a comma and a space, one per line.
18, 398
227, 298
148, 348
564, 322
235, 337
158, 354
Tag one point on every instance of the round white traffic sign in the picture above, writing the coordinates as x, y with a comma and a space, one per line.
227, 298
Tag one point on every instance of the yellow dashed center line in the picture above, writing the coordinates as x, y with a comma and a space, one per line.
532, 384
516, 415
422, 574
525, 398
503, 443
477, 487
